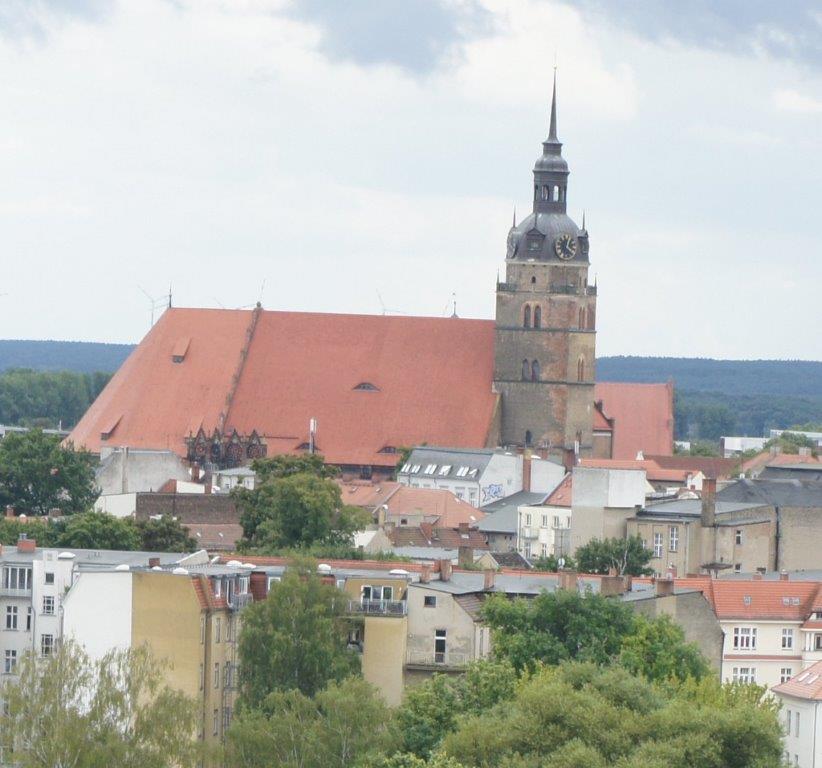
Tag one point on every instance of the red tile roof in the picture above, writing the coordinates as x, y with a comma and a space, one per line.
432, 377
438, 503
367, 494
806, 685
767, 459
643, 417
561, 495
709, 466
653, 471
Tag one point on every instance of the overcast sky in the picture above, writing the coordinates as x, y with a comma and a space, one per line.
326, 153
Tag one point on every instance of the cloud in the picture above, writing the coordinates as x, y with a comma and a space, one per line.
793, 101
415, 35
31, 18
785, 30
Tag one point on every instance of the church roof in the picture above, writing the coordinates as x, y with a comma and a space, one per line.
371, 381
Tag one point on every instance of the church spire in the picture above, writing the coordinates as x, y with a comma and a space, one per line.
552, 133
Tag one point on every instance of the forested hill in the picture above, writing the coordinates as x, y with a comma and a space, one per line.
797, 378
78, 356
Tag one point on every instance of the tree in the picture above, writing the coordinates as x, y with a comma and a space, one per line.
657, 650
337, 728
37, 475
98, 530
286, 465
296, 639
71, 711
791, 442
297, 509
165, 535
584, 716
555, 627
627, 556
551, 563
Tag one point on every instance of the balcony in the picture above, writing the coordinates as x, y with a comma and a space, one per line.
436, 661
10, 592
396, 608
240, 601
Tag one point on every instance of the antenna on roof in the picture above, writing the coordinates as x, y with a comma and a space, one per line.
156, 303
387, 311
169, 295
452, 302
260, 298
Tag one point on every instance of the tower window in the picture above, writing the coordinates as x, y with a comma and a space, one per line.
582, 317
537, 317
556, 194
533, 280
581, 369
526, 370
526, 321
528, 438
546, 192
535, 371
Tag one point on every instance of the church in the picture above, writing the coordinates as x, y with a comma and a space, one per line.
225, 386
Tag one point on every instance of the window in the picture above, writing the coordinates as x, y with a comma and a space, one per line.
202, 629
46, 645
439, 646
528, 437
785, 674
556, 521
430, 469
445, 469
226, 717
11, 617
581, 322
472, 497
10, 662
17, 577
737, 567
787, 639
738, 535
228, 675
744, 674
545, 521
535, 371
744, 638
415, 468
546, 192
202, 677
527, 550
526, 317
218, 628
48, 605
533, 280
29, 613
673, 538
543, 550
216, 722
657, 545
430, 601
537, 317
581, 369
796, 724
526, 370
528, 518
377, 592
50, 578
216, 675
788, 720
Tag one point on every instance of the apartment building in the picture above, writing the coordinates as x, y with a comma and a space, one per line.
544, 530
801, 697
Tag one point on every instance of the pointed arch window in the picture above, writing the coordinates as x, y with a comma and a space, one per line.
535, 370
581, 368
546, 192
582, 317
537, 317
528, 437
526, 370
526, 320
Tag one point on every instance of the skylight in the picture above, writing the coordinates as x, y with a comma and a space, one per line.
462, 471
405, 467
445, 469
415, 469
430, 469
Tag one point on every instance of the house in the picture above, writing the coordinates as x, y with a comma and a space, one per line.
228, 479
662, 480
440, 507
800, 698
500, 525
736, 446
136, 470
545, 529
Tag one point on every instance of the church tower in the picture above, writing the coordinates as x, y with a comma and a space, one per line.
546, 318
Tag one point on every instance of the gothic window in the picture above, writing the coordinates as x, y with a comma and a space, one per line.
533, 280
526, 370
526, 322
537, 317
528, 437
581, 369
582, 317
535, 371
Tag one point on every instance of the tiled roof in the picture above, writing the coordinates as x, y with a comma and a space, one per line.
806, 685
431, 377
710, 466
447, 510
444, 538
786, 493
767, 459
561, 495
643, 417
366, 493
653, 471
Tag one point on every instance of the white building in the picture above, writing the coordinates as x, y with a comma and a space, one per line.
544, 529
228, 479
801, 697
734, 446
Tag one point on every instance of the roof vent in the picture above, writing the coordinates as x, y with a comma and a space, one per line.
234, 564
366, 386
66, 556
324, 568
746, 599
123, 567
178, 354
180, 572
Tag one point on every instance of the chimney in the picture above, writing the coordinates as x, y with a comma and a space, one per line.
9, 511
569, 459
664, 587
382, 512
784, 576
568, 580
611, 585
445, 570
709, 502
463, 529
153, 562
671, 572
24, 544
488, 583
758, 576
526, 473
465, 557
425, 574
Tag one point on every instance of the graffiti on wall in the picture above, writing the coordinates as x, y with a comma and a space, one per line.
491, 492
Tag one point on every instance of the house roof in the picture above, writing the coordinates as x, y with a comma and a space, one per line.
502, 515
448, 462
429, 381
643, 417
693, 508
561, 495
710, 466
442, 506
768, 459
653, 472
216, 536
786, 493
366, 493
806, 685
443, 538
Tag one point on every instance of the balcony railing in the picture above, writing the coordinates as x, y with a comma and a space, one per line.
9, 592
378, 607
242, 600
446, 660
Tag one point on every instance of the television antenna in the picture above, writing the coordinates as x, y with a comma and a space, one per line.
387, 311
158, 303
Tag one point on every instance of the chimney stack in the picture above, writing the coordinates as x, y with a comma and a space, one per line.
526, 473
445, 570
611, 585
784, 576
709, 502
664, 587
463, 529
425, 574
25, 544
568, 580
490, 575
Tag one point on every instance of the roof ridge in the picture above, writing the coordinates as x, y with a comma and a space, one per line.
238, 372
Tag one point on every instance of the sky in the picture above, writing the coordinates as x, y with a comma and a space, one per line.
367, 156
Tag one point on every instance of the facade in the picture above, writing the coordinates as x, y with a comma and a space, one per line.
800, 698
500, 526
545, 530
544, 348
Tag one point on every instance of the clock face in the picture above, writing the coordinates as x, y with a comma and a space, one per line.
565, 247
512, 244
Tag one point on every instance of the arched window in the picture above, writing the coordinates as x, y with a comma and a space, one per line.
535, 371
526, 319
556, 194
537, 317
562, 194
581, 368
582, 317
526, 370
533, 280
528, 437
546, 192
536, 191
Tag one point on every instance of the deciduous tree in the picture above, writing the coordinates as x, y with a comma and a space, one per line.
627, 556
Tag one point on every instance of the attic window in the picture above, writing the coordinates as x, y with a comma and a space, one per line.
111, 425
472, 472
178, 354
445, 469
405, 468
388, 449
366, 386
462, 471
415, 468
746, 599
306, 447
430, 469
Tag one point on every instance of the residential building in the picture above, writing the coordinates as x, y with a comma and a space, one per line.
662, 480
545, 529
500, 526
800, 698
228, 479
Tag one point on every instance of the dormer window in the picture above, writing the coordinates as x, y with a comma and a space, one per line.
366, 386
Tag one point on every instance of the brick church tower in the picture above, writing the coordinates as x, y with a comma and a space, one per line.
546, 318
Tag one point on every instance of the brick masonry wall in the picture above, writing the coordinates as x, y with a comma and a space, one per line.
188, 507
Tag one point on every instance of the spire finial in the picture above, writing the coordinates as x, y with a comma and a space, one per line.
583, 220
515, 217
552, 134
